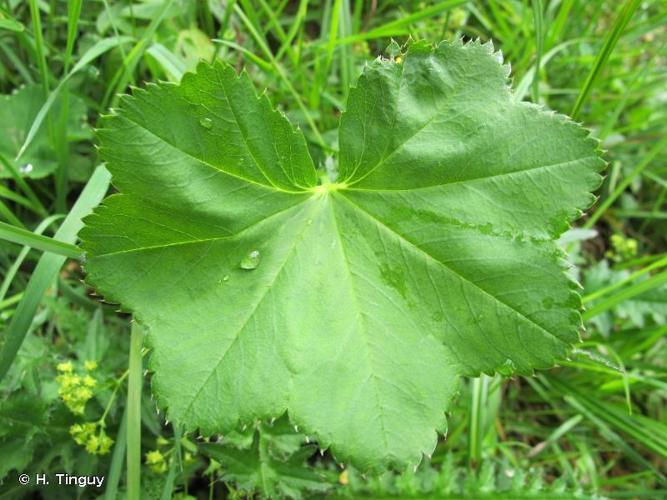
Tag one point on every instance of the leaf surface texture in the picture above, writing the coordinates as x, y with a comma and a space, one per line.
432, 255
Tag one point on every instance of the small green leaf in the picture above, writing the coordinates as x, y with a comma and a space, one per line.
274, 463
430, 256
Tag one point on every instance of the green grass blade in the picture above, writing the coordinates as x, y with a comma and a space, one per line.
622, 186
294, 29
73, 15
134, 385
37, 241
39, 45
9, 216
117, 459
603, 56
48, 267
265, 65
124, 74
90, 55
641, 214
168, 489
599, 413
172, 65
36, 204
397, 27
281, 73
538, 20
626, 294
620, 284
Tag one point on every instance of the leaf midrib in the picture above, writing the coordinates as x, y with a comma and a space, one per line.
270, 187
387, 154
521, 171
348, 274
260, 299
204, 240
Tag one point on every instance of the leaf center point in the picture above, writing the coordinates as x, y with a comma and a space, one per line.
327, 187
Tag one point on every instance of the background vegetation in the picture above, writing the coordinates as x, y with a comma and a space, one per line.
595, 426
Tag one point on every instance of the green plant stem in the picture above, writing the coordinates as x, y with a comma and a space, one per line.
479, 387
134, 385
119, 384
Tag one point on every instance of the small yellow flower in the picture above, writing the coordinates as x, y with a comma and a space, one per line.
83, 394
76, 408
92, 444
154, 457
90, 365
156, 461
86, 435
65, 367
75, 389
67, 380
105, 443
344, 478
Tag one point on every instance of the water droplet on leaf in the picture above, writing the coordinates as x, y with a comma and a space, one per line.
26, 169
251, 261
206, 123
225, 277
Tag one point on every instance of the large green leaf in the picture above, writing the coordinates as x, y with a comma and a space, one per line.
353, 304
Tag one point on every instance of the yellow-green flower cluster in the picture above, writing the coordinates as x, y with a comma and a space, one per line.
91, 435
623, 248
75, 389
156, 461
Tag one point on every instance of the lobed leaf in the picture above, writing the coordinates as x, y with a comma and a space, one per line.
353, 305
